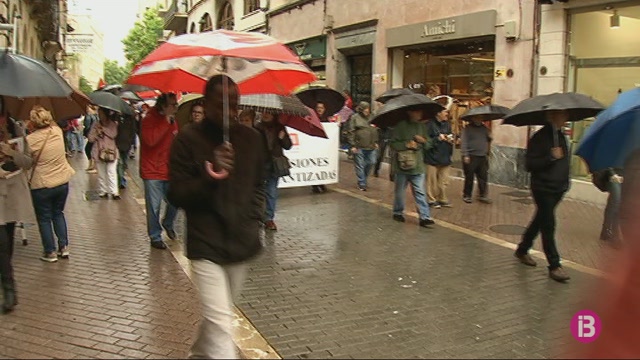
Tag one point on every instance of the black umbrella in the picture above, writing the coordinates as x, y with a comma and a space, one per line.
277, 103
393, 93
22, 77
332, 100
129, 95
395, 110
113, 88
532, 111
486, 112
112, 102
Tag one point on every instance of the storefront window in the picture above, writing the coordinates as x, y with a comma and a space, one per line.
462, 70
603, 61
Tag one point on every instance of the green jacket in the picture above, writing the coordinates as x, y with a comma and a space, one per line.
360, 134
404, 132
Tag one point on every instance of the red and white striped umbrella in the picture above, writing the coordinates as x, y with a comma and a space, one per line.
256, 62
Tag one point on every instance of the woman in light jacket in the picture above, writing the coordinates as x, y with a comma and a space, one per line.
103, 134
49, 182
15, 206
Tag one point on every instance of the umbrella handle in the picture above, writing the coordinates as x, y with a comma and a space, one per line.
225, 110
215, 175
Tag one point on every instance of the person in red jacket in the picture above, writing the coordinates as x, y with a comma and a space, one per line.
157, 130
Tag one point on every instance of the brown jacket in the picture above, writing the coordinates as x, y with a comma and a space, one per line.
223, 216
52, 168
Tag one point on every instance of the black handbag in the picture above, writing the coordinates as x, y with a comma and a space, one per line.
281, 166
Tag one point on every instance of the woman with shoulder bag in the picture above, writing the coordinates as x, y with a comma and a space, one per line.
276, 138
105, 153
49, 182
14, 189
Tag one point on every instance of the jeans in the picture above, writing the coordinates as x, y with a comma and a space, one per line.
610, 225
48, 204
417, 186
364, 160
75, 141
217, 286
154, 192
271, 189
544, 222
122, 167
6, 252
478, 167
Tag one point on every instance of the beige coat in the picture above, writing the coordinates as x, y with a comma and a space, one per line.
15, 197
52, 168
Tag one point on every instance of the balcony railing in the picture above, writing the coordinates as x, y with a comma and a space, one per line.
175, 17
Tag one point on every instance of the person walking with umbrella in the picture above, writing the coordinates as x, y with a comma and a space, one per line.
475, 145
277, 139
363, 142
548, 161
105, 152
223, 214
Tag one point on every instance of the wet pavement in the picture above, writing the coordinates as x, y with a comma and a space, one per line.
114, 297
339, 279
342, 279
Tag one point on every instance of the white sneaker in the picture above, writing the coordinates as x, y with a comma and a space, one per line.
51, 257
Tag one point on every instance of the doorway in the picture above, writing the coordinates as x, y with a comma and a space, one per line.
361, 73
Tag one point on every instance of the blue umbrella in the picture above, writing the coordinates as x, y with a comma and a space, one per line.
614, 135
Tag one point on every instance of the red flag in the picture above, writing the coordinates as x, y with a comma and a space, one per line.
101, 84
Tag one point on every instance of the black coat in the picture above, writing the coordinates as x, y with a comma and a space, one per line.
275, 147
223, 216
547, 173
441, 151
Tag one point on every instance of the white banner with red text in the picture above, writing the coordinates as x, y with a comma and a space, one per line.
314, 160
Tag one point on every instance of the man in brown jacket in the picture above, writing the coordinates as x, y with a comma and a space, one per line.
223, 213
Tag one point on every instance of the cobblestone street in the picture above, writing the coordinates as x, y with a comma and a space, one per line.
339, 279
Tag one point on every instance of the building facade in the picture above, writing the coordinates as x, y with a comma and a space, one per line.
470, 50
194, 16
41, 28
591, 47
85, 47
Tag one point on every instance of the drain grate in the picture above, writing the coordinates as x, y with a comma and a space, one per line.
508, 229
91, 195
519, 194
524, 201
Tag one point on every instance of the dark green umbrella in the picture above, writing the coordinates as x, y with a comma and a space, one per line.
532, 111
395, 110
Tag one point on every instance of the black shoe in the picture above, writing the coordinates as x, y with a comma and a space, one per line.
116, 197
171, 234
315, 189
122, 187
467, 199
427, 223
10, 298
362, 188
399, 218
158, 245
104, 196
376, 174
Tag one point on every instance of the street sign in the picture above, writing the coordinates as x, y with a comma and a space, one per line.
78, 43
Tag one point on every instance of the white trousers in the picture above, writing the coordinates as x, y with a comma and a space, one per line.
107, 177
217, 287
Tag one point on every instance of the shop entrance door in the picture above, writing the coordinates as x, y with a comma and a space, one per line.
361, 74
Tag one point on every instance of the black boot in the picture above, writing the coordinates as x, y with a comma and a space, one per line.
10, 299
